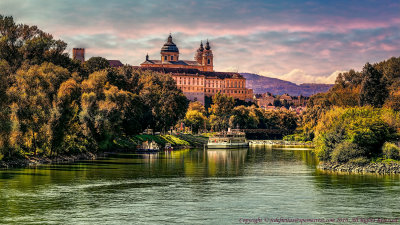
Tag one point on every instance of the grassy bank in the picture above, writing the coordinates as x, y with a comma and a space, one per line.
177, 141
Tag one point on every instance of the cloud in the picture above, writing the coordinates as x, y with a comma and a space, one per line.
298, 76
246, 36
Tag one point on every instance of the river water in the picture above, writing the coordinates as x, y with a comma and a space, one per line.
195, 187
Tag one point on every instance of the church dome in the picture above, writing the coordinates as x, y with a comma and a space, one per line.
169, 46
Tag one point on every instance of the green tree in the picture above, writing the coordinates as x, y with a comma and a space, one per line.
243, 117
165, 103
373, 89
196, 120
197, 106
366, 128
222, 110
96, 64
64, 128
22, 43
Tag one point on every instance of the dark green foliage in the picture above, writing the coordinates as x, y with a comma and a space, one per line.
373, 89
165, 104
96, 64
21, 43
345, 151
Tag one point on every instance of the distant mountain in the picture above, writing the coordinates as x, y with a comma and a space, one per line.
261, 84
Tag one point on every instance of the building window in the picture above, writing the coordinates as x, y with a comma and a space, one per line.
165, 58
208, 61
172, 57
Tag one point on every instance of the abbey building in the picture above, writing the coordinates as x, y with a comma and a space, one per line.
196, 78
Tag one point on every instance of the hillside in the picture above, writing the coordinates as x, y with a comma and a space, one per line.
261, 84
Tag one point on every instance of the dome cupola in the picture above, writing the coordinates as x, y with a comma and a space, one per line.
169, 46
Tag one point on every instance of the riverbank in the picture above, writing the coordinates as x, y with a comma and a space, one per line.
179, 141
34, 160
378, 168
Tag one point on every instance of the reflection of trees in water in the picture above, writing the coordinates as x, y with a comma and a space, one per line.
356, 182
365, 195
268, 153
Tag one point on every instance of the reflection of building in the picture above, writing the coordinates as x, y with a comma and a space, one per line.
227, 161
197, 78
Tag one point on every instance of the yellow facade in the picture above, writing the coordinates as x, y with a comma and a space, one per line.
197, 78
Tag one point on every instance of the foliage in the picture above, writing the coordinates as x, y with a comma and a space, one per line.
197, 106
373, 90
220, 111
364, 128
196, 120
96, 64
345, 151
20, 43
391, 151
243, 117
32, 98
165, 103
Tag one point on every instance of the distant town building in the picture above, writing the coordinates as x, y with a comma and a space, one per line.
265, 100
78, 54
286, 97
197, 78
115, 63
268, 101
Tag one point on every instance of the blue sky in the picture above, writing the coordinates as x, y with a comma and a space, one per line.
300, 41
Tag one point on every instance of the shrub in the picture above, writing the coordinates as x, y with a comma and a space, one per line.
360, 161
346, 151
367, 128
391, 151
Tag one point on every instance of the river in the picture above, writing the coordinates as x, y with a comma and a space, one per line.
195, 187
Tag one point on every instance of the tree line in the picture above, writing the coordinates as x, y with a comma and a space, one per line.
358, 119
224, 113
51, 104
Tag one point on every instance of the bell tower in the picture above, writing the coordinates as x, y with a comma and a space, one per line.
208, 58
199, 54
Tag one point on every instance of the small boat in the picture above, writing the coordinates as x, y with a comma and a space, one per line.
229, 139
168, 147
148, 146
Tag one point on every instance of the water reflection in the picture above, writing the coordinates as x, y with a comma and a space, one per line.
226, 162
191, 185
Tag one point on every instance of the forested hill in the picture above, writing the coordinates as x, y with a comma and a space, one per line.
262, 84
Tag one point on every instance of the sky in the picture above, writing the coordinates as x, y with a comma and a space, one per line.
298, 41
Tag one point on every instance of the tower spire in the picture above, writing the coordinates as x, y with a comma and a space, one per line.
208, 45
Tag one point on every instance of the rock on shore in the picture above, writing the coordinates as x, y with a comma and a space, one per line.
379, 168
34, 161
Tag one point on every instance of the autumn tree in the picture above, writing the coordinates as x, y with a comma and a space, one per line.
4, 110
31, 98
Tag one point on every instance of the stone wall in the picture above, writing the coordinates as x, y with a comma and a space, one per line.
379, 168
